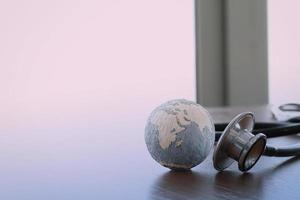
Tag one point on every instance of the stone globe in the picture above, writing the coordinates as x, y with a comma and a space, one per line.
179, 134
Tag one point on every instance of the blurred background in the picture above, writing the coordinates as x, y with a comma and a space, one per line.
62, 60
67, 59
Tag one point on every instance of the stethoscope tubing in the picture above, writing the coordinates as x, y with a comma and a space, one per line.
271, 130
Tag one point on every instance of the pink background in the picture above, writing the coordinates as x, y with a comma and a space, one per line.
284, 51
63, 60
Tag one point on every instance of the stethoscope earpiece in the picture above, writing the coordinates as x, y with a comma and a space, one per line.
237, 143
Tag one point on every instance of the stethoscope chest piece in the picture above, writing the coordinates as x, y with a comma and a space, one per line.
237, 143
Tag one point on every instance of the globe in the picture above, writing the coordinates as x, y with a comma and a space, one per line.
179, 134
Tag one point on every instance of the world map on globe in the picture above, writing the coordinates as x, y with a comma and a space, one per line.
179, 134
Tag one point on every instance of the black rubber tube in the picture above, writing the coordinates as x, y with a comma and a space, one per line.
293, 150
272, 130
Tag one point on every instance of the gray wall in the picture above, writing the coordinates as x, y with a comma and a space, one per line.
232, 67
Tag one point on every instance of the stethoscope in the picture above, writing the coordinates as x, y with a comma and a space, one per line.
245, 141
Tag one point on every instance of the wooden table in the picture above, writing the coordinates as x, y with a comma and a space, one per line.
103, 156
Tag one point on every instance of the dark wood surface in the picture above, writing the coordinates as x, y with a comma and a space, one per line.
103, 156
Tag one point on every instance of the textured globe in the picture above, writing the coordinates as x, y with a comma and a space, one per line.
179, 134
